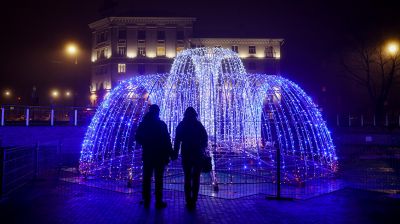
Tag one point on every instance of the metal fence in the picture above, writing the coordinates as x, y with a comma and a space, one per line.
17, 115
22, 164
359, 120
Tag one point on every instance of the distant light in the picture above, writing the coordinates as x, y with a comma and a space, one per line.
93, 97
55, 93
72, 49
7, 93
393, 48
68, 93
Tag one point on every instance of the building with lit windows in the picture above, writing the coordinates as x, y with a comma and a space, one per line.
123, 47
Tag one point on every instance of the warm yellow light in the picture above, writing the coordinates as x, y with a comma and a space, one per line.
68, 93
55, 93
72, 49
393, 48
7, 93
93, 97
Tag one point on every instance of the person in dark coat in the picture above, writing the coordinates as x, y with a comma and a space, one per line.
153, 135
191, 137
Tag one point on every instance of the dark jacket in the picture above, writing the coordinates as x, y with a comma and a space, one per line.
153, 135
192, 137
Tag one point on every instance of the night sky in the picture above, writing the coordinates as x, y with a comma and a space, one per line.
34, 35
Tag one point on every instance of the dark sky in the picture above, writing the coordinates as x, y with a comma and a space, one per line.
34, 34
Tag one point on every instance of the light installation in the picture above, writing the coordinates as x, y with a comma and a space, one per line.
247, 116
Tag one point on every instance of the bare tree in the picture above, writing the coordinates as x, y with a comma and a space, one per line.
376, 68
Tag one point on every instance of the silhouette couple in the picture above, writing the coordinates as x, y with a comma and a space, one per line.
191, 138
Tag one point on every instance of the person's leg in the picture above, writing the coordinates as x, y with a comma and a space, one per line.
159, 175
187, 170
146, 191
196, 182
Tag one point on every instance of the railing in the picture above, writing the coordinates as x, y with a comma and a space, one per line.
22, 164
16, 115
359, 120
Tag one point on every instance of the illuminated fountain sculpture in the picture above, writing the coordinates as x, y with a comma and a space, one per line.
247, 116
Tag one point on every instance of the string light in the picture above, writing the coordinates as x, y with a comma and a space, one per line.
246, 117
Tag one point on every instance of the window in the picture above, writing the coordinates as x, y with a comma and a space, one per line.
102, 54
141, 69
160, 69
102, 36
160, 36
160, 51
180, 35
142, 51
269, 52
252, 65
141, 35
235, 48
121, 50
179, 49
122, 34
252, 49
121, 68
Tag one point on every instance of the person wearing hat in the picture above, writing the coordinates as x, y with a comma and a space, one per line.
152, 134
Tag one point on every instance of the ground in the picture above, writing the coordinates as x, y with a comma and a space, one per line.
55, 201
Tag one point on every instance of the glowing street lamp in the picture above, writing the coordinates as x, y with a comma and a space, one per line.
392, 48
72, 49
68, 94
7, 93
55, 94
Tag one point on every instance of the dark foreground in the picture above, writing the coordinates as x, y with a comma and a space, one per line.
62, 202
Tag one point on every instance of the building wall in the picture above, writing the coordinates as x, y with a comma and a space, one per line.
107, 60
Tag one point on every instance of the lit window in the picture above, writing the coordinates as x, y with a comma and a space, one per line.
235, 48
121, 68
122, 51
252, 49
142, 51
179, 49
160, 51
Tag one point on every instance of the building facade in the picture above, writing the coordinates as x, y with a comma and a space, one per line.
123, 47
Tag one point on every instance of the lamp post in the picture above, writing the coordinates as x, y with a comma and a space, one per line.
392, 48
72, 49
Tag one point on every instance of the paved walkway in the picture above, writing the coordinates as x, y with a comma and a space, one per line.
62, 202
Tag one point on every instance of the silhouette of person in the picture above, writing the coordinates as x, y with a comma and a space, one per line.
191, 137
153, 135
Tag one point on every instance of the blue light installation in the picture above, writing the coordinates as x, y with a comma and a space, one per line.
246, 116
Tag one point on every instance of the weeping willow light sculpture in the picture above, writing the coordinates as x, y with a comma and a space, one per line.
246, 116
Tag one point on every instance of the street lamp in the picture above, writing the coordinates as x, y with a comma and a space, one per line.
392, 48
7, 93
72, 49
54, 94
68, 94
